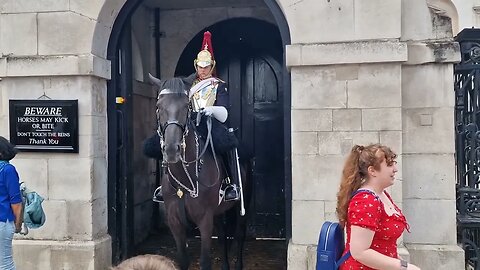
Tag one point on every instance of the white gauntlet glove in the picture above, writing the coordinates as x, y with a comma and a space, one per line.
219, 112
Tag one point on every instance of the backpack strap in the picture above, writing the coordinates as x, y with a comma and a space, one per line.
364, 190
348, 254
343, 258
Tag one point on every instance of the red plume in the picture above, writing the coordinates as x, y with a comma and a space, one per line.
207, 43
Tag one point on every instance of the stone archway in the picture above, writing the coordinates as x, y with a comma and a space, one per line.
114, 12
110, 24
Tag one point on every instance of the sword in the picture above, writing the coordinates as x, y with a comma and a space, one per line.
242, 203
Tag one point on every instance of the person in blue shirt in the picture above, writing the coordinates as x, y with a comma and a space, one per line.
10, 204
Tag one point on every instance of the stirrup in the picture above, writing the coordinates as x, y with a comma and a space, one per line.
158, 195
229, 189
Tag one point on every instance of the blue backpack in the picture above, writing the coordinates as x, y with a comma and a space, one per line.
331, 243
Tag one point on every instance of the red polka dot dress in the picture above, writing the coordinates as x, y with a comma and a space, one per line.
366, 210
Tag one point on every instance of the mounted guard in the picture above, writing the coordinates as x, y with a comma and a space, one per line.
209, 97
197, 186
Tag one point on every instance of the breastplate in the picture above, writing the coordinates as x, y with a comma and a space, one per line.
204, 97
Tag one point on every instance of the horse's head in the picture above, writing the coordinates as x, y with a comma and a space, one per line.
172, 116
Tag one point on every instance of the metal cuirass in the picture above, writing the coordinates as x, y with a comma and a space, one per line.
204, 95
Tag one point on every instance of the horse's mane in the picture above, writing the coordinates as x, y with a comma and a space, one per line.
175, 85
178, 84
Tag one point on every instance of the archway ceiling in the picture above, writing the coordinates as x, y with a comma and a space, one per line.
188, 4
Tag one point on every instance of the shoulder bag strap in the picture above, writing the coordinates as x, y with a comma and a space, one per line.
343, 259
364, 190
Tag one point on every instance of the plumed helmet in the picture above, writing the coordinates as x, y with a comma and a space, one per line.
205, 56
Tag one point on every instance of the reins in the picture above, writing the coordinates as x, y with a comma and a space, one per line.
208, 141
194, 184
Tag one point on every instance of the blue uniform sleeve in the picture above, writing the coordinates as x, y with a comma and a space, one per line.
223, 98
13, 185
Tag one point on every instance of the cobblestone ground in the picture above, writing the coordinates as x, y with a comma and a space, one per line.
259, 254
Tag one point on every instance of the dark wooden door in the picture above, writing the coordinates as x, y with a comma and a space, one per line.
249, 57
120, 180
256, 110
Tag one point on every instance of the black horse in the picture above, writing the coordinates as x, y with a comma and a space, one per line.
193, 178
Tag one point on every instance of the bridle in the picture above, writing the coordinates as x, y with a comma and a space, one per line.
161, 132
185, 130
162, 128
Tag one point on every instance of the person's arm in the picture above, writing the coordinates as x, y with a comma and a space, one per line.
18, 213
13, 187
223, 97
360, 242
219, 110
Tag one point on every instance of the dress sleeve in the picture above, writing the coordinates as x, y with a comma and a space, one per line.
13, 185
365, 210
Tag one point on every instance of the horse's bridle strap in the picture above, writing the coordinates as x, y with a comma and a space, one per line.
173, 122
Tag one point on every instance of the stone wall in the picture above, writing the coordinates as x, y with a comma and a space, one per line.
45, 49
361, 72
348, 77
360, 76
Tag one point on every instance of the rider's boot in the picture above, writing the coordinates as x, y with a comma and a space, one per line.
158, 195
232, 191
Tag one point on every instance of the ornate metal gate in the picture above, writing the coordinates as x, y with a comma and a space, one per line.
467, 144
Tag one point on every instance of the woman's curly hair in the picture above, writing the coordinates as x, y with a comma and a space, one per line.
355, 172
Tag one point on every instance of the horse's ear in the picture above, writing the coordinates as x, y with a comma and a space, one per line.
188, 81
155, 80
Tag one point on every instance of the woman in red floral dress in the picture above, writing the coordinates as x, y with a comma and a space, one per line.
373, 222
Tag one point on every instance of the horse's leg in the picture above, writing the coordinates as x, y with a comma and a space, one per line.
223, 241
180, 235
206, 231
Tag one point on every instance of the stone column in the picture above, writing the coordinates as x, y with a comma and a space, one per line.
428, 140
428, 161
348, 99
45, 51
345, 62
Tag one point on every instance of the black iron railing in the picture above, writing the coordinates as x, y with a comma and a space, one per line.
467, 144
